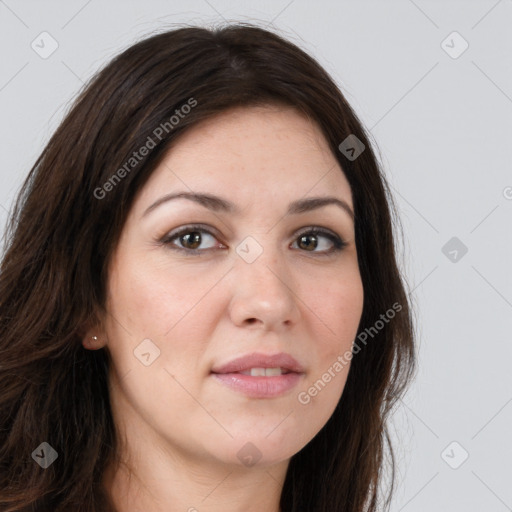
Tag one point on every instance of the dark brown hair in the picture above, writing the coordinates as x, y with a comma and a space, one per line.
61, 236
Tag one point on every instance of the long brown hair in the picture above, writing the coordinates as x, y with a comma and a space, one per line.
63, 231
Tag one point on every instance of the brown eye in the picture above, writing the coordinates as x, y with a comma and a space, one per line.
191, 240
319, 241
308, 242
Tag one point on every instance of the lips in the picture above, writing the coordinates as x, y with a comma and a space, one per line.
260, 375
256, 362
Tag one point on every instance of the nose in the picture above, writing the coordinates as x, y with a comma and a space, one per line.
264, 295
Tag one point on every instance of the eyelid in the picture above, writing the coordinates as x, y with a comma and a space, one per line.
189, 227
316, 229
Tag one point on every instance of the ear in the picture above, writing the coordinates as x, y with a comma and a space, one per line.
94, 339
93, 336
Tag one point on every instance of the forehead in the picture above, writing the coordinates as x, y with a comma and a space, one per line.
269, 152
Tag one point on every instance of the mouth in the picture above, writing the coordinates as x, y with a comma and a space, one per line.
264, 372
257, 363
260, 375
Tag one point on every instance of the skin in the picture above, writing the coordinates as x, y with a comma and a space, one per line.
181, 429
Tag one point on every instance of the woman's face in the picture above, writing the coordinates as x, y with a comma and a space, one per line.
196, 284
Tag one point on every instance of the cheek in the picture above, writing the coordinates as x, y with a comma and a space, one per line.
152, 299
339, 306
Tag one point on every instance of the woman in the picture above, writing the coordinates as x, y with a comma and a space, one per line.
200, 302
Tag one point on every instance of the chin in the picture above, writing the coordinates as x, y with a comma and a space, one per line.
262, 451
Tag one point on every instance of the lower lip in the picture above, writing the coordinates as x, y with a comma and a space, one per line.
259, 387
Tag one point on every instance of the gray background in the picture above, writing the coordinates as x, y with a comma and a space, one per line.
443, 127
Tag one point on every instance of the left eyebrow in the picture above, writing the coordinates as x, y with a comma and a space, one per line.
216, 203
312, 203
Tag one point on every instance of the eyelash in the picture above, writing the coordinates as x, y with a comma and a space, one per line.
338, 243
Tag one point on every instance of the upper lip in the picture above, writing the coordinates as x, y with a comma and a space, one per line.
256, 360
